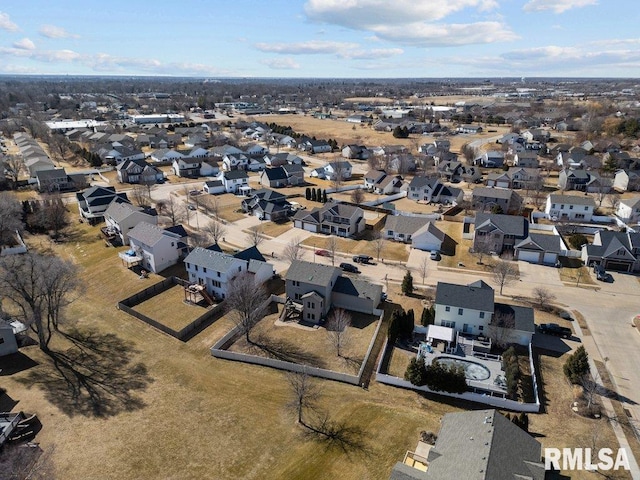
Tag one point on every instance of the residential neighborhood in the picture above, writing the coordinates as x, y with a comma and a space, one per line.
434, 289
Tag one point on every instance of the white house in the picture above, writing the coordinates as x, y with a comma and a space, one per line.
156, 248
333, 169
235, 161
215, 270
629, 210
209, 168
213, 187
187, 167
234, 180
165, 155
419, 231
120, 218
570, 207
470, 309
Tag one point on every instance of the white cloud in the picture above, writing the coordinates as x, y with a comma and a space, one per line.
362, 14
285, 63
302, 48
411, 22
24, 44
556, 6
446, 34
371, 54
51, 31
6, 23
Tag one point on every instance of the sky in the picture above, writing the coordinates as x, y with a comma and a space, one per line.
322, 38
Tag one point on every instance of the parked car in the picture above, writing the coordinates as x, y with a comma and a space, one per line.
347, 267
605, 277
323, 253
434, 255
191, 206
555, 329
362, 258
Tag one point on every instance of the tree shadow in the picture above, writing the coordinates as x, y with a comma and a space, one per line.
285, 351
7, 404
349, 439
94, 377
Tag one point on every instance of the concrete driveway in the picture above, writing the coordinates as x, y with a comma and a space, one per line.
534, 275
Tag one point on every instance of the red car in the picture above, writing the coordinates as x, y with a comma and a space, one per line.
323, 253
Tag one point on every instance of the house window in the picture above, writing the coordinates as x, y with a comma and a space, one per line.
447, 309
481, 314
460, 311
586, 208
204, 269
481, 327
297, 296
239, 269
570, 207
218, 274
196, 268
188, 265
448, 323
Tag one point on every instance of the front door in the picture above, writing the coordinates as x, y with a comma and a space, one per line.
466, 328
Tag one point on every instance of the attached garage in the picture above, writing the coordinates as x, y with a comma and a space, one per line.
550, 258
618, 266
530, 256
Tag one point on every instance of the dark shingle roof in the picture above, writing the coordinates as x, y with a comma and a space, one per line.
251, 253
572, 200
357, 288
276, 173
210, 259
476, 296
504, 193
404, 224
484, 445
311, 273
545, 243
523, 316
235, 174
508, 224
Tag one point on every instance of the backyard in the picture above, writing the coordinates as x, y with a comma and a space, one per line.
292, 342
395, 251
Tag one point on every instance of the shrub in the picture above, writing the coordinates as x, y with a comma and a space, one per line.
577, 365
407, 283
441, 378
416, 372
577, 240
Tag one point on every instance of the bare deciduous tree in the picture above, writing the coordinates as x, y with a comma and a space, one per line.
423, 268
542, 297
357, 196
500, 327
504, 273
255, 237
247, 302
13, 165
332, 248
171, 209
10, 217
39, 287
337, 327
139, 195
613, 198
293, 250
52, 215
305, 392
378, 244
480, 250
214, 231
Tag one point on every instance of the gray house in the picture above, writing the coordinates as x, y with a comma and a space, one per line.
499, 233
482, 445
332, 218
319, 287
486, 199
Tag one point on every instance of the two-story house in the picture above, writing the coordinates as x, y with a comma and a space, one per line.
429, 189
275, 177
499, 233
120, 218
341, 169
57, 179
235, 161
470, 309
294, 173
570, 179
139, 171
373, 178
93, 202
627, 180
332, 218
629, 210
215, 269
234, 181
157, 248
490, 159
318, 288
515, 177
358, 152
618, 251
486, 199
187, 167
267, 205
569, 208
526, 159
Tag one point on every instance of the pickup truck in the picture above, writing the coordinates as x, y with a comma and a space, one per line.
555, 329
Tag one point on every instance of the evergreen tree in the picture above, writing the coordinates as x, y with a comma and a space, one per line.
314, 198
307, 193
324, 196
577, 365
319, 194
407, 283
416, 372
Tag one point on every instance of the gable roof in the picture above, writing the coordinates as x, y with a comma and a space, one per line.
150, 234
476, 296
251, 253
522, 316
541, 242
489, 192
357, 288
211, 259
118, 211
276, 173
432, 229
404, 224
483, 444
234, 175
508, 224
572, 200
312, 273
420, 182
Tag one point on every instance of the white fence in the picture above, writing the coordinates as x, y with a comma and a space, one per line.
385, 199
484, 398
15, 250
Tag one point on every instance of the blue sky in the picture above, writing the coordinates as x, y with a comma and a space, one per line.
322, 38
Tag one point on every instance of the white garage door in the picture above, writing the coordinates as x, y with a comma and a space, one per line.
550, 258
309, 227
528, 256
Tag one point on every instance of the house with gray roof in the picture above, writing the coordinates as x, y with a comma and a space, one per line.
156, 247
215, 269
540, 248
121, 217
629, 210
430, 189
499, 233
420, 232
275, 177
485, 199
619, 251
470, 309
57, 179
94, 201
318, 288
267, 204
570, 208
481, 444
333, 218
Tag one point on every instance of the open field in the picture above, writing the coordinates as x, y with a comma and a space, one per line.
577, 276
310, 346
274, 229
169, 308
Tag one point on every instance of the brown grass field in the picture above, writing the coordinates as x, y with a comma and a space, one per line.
310, 346
171, 300
131, 402
391, 250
